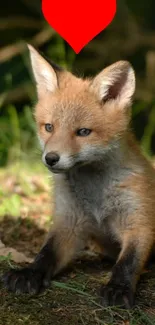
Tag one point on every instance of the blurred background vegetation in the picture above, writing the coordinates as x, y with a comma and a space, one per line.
130, 36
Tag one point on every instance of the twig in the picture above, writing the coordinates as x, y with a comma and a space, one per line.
10, 51
17, 94
20, 22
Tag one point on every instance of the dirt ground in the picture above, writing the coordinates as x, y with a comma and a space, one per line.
74, 296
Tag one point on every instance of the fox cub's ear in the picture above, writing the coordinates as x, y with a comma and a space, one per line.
116, 82
44, 74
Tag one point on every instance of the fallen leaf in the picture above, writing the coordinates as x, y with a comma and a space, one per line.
15, 256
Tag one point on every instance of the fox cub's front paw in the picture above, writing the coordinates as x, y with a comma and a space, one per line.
27, 280
117, 295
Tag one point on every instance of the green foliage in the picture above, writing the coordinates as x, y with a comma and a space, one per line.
149, 132
10, 205
17, 134
143, 117
60, 53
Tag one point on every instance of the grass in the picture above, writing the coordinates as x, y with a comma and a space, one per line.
73, 297
22, 183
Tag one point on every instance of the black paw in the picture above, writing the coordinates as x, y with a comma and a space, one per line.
117, 295
27, 280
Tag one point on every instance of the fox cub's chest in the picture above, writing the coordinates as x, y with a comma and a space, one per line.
99, 195
93, 193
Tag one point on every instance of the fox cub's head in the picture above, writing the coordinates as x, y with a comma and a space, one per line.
80, 120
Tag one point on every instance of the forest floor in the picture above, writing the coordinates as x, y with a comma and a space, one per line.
25, 209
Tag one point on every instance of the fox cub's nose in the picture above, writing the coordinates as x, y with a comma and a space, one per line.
52, 158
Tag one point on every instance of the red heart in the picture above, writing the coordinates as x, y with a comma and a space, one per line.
78, 22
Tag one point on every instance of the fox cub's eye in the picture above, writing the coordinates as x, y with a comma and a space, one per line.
48, 127
83, 132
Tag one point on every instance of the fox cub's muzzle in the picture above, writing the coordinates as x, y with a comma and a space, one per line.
52, 158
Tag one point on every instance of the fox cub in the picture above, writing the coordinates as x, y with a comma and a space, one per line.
104, 187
